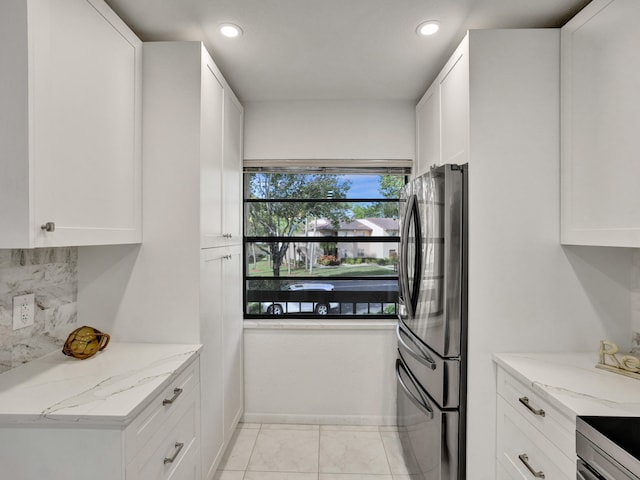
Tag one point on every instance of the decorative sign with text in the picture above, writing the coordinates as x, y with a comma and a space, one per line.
610, 358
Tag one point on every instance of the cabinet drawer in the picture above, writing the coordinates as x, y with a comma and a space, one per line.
153, 420
176, 454
502, 474
520, 442
560, 429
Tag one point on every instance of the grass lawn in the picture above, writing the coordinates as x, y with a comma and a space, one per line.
263, 269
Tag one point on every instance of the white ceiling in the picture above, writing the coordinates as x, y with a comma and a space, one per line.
333, 49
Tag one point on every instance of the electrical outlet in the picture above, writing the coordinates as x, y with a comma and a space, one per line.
23, 310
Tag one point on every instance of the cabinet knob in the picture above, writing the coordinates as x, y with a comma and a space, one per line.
48, 227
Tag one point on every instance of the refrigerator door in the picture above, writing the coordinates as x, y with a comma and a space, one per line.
437, 317
437, 376
429, 435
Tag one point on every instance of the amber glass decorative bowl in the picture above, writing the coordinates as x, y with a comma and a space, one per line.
85, 342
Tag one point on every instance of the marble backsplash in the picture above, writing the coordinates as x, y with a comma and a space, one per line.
52, 275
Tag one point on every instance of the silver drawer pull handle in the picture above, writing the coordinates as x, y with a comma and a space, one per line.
48, 227
535, 411
176, 394
178, 447
525, 459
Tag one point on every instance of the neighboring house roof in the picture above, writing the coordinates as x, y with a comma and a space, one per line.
364, 224
384, 223
321, 224
355, 225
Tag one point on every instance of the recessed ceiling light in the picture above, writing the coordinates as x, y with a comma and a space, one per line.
230, 30
428, 28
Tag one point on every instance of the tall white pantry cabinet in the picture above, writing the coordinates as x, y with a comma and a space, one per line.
184, 283
70, 125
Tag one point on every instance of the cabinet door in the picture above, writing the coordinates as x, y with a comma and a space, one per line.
232, 326
212, 303
232, 170
428, 131
600, 124
454, 107
86, 98
211, 176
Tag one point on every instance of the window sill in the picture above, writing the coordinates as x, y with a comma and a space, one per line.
301, 324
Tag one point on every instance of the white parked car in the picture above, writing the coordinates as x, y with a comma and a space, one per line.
319, 308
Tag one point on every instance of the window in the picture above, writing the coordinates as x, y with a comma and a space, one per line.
321, 243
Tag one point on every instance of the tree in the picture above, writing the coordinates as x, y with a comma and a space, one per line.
367, 210
389, 187
274, 218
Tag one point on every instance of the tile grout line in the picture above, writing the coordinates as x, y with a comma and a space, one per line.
319, 440
386, 454
255, 442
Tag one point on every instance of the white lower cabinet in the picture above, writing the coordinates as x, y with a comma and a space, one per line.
221, 334
534, 438
160, 442
169, 434
232, 334
501, 473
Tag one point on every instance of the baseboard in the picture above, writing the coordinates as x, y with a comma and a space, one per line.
310, 419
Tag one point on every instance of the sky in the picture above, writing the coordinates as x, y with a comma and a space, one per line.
363, 186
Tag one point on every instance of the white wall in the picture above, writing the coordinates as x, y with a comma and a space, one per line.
329, 374
315, 372
329, 130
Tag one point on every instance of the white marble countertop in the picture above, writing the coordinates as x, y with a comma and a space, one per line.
110, 388
572, 383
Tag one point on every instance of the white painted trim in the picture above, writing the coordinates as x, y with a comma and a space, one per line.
319, 419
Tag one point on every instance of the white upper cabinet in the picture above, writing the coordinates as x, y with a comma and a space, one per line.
193, 137
428, 131
600, 124
211, 132
70, 125
454, 107
232, 170
442, 115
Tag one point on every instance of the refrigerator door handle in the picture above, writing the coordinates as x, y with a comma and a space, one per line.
410, 292
423, 359
417, 402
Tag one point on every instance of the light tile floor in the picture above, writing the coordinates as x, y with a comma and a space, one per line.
313, 452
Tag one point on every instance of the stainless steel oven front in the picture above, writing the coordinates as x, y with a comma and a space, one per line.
608, 448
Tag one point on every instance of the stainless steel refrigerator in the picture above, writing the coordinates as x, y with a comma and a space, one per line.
432, 323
